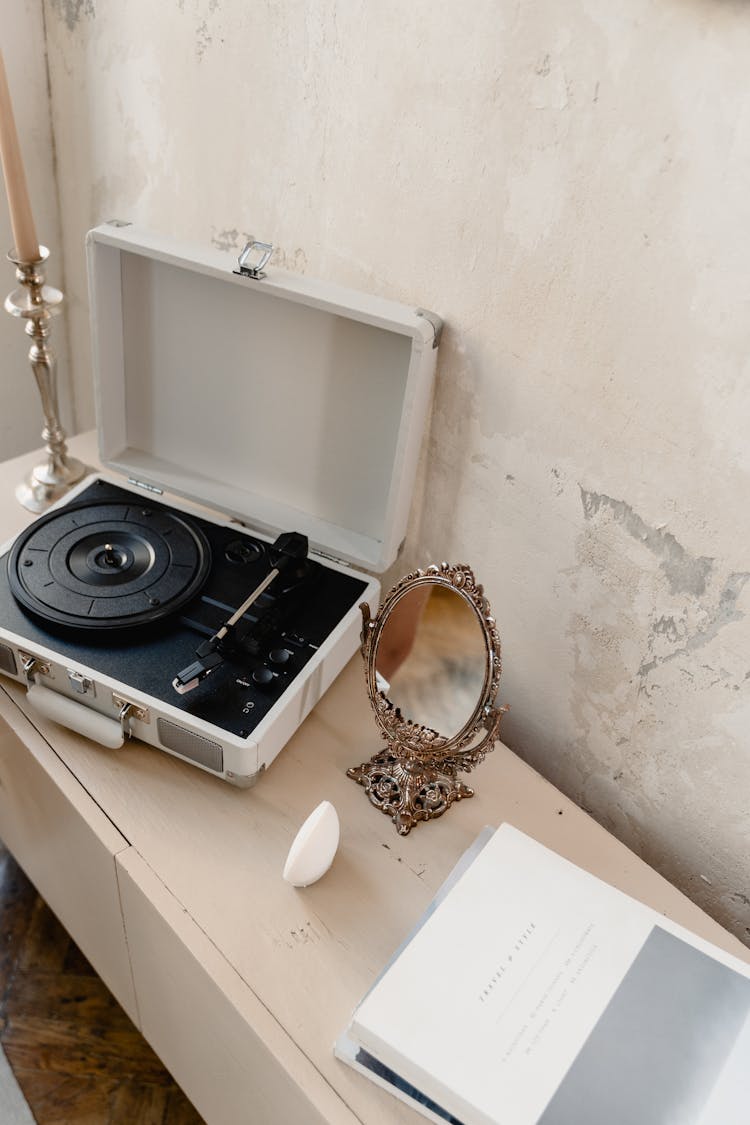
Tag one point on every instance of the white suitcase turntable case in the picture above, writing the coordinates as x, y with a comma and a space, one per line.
271, 403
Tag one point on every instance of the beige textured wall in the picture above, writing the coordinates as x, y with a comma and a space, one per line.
567, 184
23, 47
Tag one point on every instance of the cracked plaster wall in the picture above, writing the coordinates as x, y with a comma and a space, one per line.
567, 185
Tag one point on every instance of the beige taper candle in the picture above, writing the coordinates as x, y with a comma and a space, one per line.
21, 219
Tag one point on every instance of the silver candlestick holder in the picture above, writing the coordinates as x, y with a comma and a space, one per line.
37, 303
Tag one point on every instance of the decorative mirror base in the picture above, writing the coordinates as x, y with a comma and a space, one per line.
406, 790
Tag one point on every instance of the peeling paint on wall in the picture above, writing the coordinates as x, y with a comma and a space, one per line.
685, 573
230, 239
697, 628
72, 12
294, 260
203, 39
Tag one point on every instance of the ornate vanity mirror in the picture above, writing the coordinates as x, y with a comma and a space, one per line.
432, 664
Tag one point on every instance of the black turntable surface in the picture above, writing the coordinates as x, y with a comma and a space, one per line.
130, 587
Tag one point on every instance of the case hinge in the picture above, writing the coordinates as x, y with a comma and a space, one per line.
331, 558
147, 487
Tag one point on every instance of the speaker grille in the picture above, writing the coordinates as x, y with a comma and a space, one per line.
7, 660
188, 745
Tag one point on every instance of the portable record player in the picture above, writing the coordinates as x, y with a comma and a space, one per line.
286, 415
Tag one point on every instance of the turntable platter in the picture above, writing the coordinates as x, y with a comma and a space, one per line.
98, 566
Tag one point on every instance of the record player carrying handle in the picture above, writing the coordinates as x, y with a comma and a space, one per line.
60, 709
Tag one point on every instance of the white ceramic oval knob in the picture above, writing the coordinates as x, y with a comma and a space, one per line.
314, 847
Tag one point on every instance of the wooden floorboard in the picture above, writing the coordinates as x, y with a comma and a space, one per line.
77, 1057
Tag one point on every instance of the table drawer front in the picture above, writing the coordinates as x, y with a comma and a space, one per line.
228, 1053
66, 846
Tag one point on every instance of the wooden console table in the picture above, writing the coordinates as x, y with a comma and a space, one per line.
170, 882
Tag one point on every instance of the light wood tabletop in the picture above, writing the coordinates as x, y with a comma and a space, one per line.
240, 981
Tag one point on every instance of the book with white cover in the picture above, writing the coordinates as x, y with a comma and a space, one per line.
535, 994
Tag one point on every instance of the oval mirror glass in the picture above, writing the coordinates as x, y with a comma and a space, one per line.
431, 658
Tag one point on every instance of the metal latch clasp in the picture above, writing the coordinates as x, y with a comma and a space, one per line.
126, 711
32, 667
253, 259
124, 718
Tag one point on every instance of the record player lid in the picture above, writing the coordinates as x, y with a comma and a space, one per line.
285, 401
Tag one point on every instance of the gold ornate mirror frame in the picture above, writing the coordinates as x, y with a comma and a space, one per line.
415, 777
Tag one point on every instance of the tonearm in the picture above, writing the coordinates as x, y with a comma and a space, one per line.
290, 547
